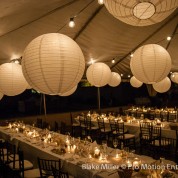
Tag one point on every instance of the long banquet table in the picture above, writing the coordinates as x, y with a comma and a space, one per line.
70, 162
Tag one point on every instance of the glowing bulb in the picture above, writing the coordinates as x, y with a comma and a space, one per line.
169, 38
71, 23
16, 61
101, 2
121, 75
128, 76
113, 61
131, 55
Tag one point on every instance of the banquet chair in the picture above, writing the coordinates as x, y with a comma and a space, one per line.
31, 173
160, 146
39, 123
74, 125
56, 127
2, 157
45, 166
13, 160
164, 116
127, 139
152, 115
104, 132
145, 135
83, 126
91, 130
113, 126
57, 173
172, 117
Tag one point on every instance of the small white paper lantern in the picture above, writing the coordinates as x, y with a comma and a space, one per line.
53, 63
12, 81
162, 86
1, 95
135, 82
150, 63
141, 13
115, 79
70, 92
98, 74
174, 77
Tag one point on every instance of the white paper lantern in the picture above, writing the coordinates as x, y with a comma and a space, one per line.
12, 81
115, 79
98, 74
53, 63
70, 92
1, 95
141, 13
162, 86
28, 87
150, 63
174, 77
135, 82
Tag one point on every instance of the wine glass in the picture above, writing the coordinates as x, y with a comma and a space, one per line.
115, 144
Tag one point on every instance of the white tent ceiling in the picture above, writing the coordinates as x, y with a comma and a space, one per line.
100, 35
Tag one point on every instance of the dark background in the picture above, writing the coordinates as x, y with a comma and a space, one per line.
85, 98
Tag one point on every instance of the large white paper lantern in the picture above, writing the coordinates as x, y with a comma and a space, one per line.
135, 82
115, 79
12, 81
1, 95
141, 13
70, 92
162, 86
174, 77
98, 74
150, 63
53, 63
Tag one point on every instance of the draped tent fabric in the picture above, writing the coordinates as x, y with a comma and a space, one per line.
100, 35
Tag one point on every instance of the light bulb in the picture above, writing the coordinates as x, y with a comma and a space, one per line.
169, 38
113, 61
101, 2
131, 55
71, 23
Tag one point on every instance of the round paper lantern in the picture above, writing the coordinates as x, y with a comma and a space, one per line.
98, 74
1, 95
12, 81
53, 63
70, 92
28, 87
140, 13
150, 63
174, 77
115, 79
162, 86
135, 82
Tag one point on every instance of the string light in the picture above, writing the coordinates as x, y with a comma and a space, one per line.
113, 61
131, 55
122, 75
71, 23
169, 38
101, 2
128, 76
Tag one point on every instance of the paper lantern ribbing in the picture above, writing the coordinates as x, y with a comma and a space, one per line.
150, 63
139, 13
162, 86
1, 95
53, 63
98, 74
12, 81
135, 82
70, 92
115, 79
174, 77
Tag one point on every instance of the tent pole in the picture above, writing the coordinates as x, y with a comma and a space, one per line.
99, 108
44, 102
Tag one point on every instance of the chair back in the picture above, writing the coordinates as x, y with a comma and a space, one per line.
172, 117
112, 124
101, 124
39, 123
45, 166
156, 133
145, 130
120, 130
88, 122
57, 173
56, 126
11, 153
2, 154
82, 121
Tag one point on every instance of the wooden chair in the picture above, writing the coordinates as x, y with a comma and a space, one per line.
172, 117
32, 173
127, 139
91, 129
39, 123
103, 131
83, 126
145, 135
75, 126
57, 173
45, 166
